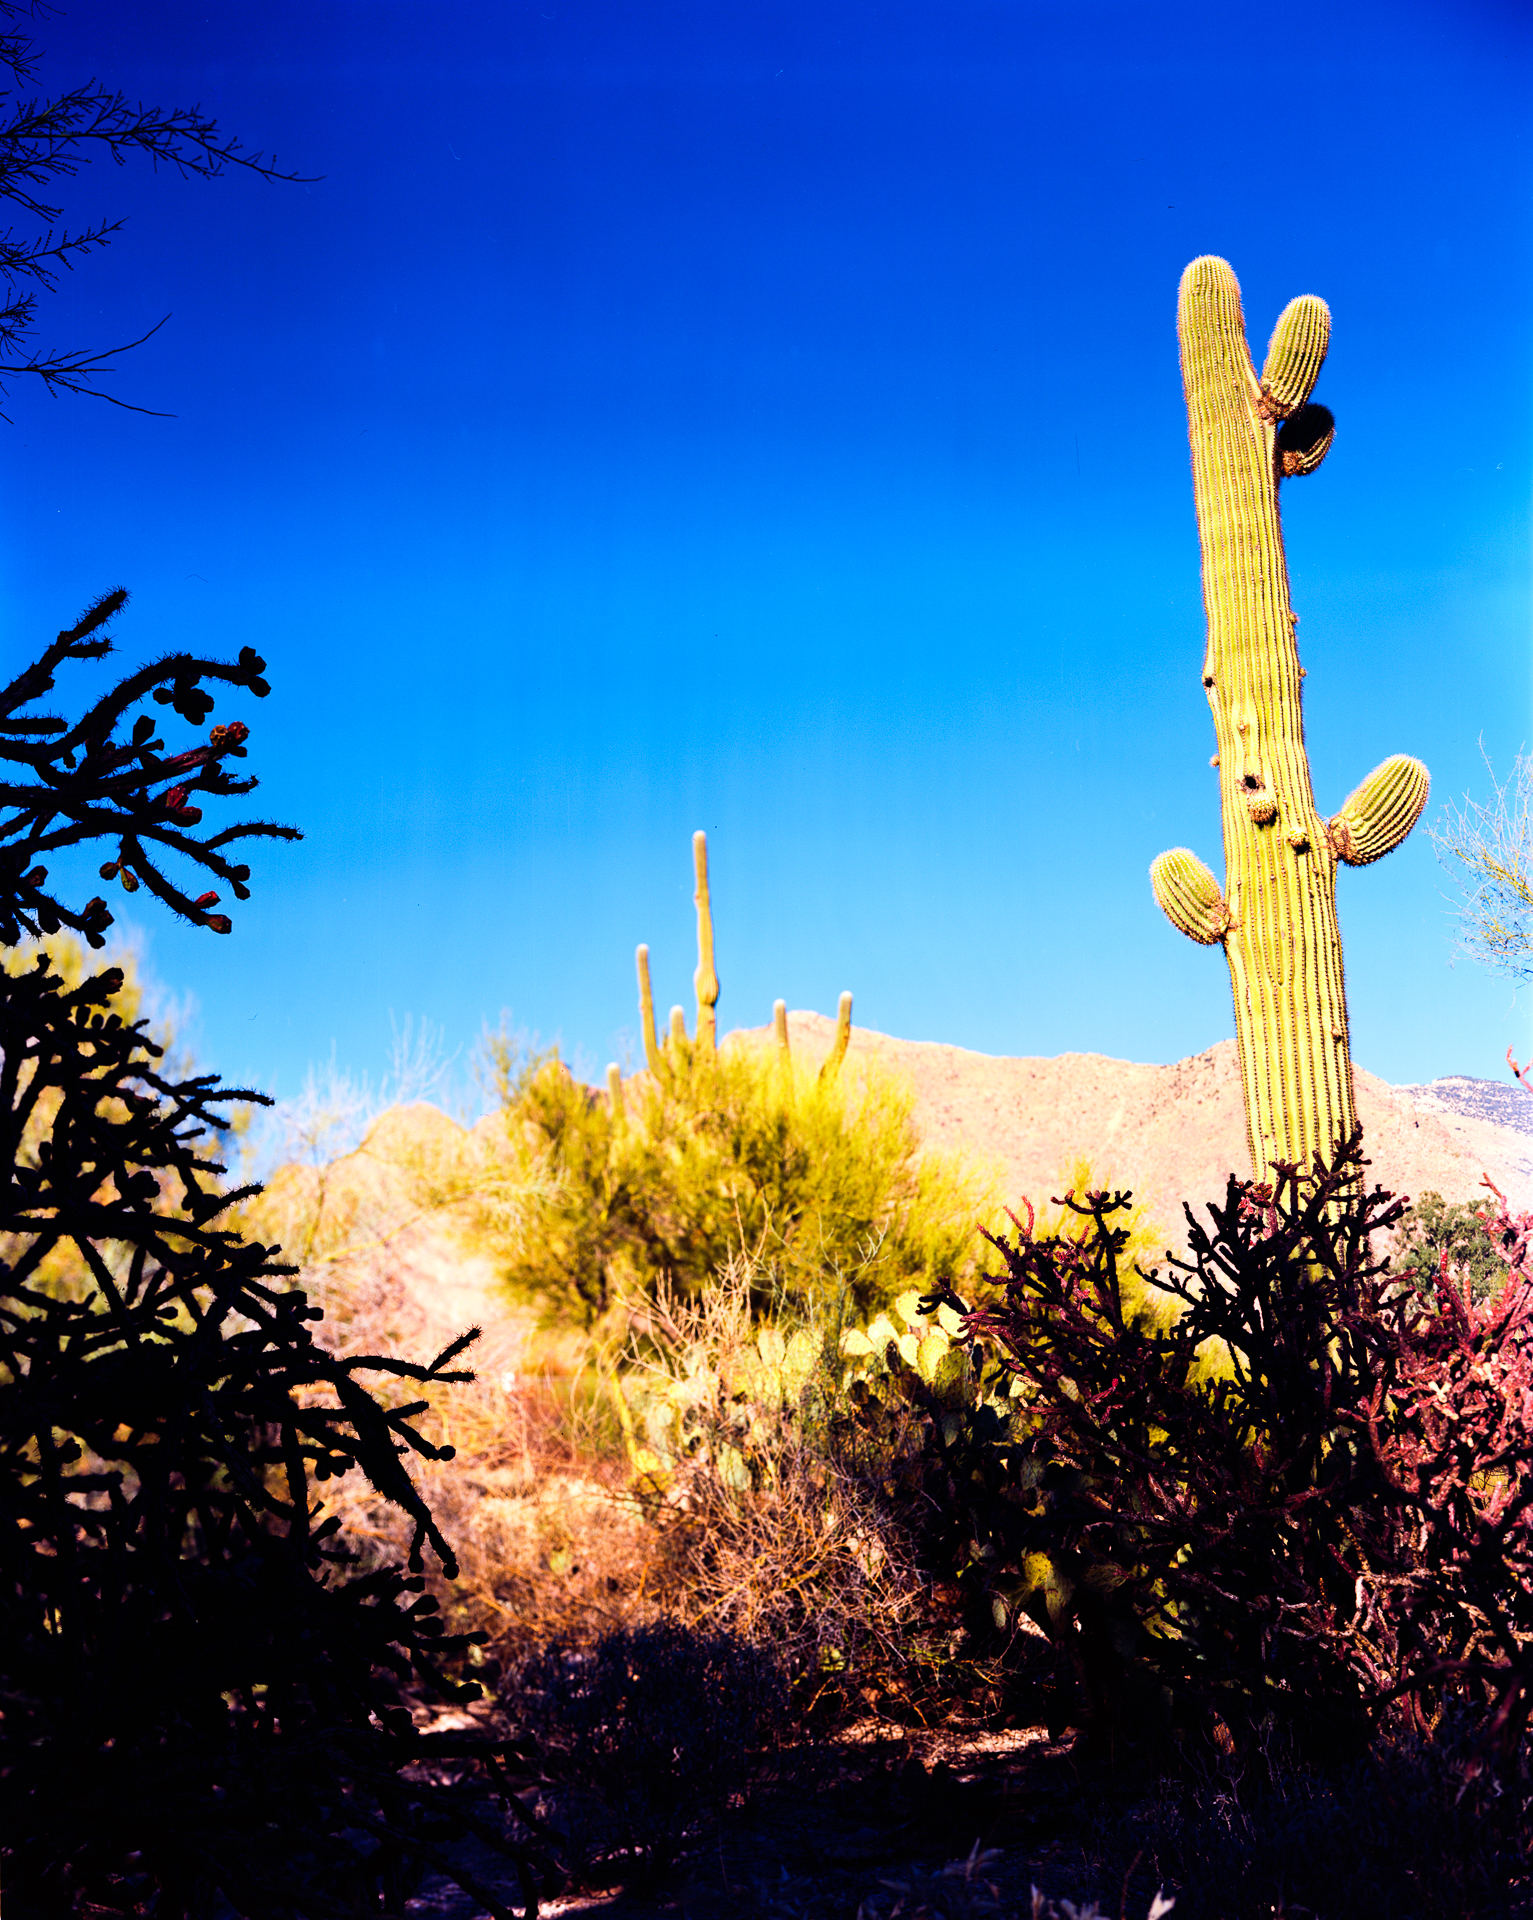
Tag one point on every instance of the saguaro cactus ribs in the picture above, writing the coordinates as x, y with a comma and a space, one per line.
1276, 915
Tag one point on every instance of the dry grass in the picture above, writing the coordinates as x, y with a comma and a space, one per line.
763, 1527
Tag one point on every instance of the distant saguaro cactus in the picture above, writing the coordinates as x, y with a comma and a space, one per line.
705, 979
647, 1010
677, 1047
1276, 915
833, 1059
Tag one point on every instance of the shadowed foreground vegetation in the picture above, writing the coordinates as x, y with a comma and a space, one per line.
742, 1545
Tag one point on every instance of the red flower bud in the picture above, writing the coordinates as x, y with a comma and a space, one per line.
220, 923
174, 797
206, 900
234, 735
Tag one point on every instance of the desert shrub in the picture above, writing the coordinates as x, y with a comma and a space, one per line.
1332, 1531
764, 1524
1432, 1228
547, 1544
822, 1181
201, 1697
779, 1462
649, 1734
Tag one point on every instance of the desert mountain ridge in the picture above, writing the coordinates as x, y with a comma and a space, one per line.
1175, 1133
376, 1228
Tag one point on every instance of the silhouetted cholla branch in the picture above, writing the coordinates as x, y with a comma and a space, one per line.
88, 783
199, 1690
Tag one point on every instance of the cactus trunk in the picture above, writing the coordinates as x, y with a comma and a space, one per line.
1276, 917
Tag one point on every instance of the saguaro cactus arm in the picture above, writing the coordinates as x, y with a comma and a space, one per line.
705, 979
1377, 815
1189, 896
647, 1011
1295, 354
1276, 914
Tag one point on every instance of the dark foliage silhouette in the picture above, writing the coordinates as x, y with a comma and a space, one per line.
1306, 1499
647, 1736
202, 1697
45, 141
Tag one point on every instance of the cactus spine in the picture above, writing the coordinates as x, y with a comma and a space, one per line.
1276, 916
647, 1011
705, 979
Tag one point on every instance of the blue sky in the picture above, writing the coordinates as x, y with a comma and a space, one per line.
766, 417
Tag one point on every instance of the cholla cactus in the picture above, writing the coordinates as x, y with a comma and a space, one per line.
1276, 914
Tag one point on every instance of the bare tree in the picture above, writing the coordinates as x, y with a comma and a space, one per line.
1487, 847
45, 141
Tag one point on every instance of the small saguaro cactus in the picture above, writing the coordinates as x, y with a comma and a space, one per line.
705, 979
647, 1011
1276, 915
842, 1041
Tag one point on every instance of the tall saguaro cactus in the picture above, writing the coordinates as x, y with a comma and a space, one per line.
1276, 915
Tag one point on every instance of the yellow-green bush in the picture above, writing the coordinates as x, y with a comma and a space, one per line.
821, 1182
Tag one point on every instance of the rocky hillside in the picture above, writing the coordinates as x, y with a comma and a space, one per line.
376, 1232
1174, 1133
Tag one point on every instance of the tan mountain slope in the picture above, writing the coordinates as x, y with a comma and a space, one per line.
376, 1233
1171, 1133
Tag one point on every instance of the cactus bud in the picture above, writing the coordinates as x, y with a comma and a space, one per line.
220, 923
1261, 806
205, 900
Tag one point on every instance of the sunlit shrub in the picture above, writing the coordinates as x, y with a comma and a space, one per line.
1433, 1227
822, 1182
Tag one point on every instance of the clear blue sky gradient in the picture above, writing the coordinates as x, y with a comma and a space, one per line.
766, 417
